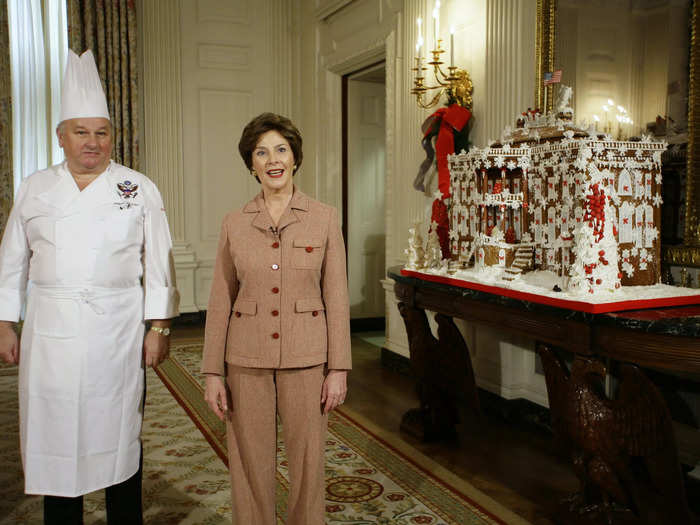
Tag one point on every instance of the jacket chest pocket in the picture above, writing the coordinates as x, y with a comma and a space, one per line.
307, 254
121, 225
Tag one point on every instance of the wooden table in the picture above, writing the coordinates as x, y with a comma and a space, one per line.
623, 449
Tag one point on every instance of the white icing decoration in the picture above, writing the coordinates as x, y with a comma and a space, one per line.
628, 269
570, 167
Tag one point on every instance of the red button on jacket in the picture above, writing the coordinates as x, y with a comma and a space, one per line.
275, 313
275, 335
314, 313
238, 314
275, 290
309, 249
275, 244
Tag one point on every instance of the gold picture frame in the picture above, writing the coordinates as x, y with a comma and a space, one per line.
687, 253
544, 50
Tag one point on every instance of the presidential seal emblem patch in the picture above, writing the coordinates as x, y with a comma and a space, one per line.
127, 189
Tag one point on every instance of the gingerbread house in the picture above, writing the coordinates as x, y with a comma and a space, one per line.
553, 197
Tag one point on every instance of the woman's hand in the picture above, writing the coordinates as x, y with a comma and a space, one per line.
334, 390
215, 395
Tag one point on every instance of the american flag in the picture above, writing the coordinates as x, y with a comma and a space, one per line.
552, 77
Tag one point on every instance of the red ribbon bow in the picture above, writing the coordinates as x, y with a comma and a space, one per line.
454, 117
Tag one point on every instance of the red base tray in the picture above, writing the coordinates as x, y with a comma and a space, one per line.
582, 306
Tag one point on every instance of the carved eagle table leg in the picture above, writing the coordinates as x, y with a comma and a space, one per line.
623, 448
443, 373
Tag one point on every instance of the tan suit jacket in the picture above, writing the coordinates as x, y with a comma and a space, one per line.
279, 299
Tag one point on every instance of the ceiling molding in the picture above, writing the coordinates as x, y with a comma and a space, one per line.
330, 8
343, 65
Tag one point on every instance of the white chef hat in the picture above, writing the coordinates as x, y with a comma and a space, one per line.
82, 95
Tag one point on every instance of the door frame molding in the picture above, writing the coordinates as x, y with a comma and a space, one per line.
344, 136
330, 143
330, 173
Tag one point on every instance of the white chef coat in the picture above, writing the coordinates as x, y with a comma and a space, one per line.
92, 266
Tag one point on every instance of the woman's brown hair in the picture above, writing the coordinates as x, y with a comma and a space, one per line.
262, 124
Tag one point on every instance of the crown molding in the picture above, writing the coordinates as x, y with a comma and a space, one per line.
330, 8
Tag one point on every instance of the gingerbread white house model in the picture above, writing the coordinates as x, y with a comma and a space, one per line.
556, 198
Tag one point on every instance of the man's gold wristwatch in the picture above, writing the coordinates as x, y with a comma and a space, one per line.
161, 330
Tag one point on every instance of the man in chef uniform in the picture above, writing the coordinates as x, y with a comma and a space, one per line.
87, 244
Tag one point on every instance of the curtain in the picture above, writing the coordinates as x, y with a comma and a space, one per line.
38, 47
30, 132
108, 27
6, 176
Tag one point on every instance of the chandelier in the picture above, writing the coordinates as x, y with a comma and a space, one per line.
455, 84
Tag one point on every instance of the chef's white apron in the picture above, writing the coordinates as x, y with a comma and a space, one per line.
81, 383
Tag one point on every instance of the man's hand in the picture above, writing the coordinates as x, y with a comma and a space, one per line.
156, 348
9, 343
334, 390
215, 395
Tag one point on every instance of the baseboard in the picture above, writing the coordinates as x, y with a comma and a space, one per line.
367, 324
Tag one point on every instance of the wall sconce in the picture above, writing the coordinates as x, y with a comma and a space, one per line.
624, 121
456, 83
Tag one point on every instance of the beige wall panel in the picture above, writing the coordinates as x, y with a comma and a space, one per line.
224, 57
208, 67
205, 275
229, 11
228, 67
222, 173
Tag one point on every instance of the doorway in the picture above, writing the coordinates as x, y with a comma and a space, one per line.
364, 99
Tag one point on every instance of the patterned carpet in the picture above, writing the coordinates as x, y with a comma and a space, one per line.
184, 480
372, 478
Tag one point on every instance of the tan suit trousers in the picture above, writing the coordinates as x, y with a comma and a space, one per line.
257, 396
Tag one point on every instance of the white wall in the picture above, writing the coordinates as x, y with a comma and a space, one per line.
209, 65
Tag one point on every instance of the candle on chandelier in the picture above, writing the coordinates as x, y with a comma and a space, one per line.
436, 22
452, 46
417, 61
419, 45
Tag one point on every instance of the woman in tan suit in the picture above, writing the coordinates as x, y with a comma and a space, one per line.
277, 337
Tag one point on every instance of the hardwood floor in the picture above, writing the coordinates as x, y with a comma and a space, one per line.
514, 466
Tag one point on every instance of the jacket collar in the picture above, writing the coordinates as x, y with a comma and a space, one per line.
298, 203
65, 195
